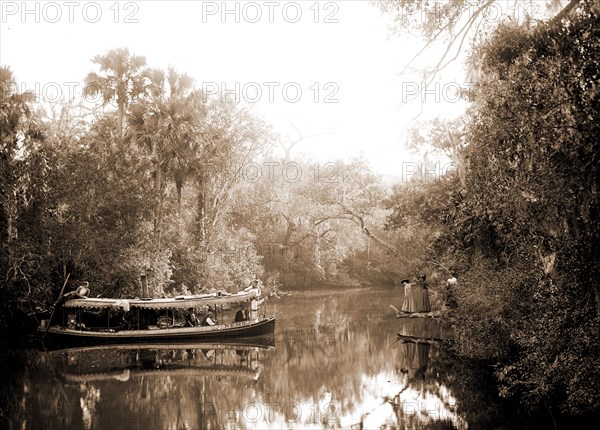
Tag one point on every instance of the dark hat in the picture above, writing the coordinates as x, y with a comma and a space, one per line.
405, 281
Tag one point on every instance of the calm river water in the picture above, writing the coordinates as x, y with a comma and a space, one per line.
336, 361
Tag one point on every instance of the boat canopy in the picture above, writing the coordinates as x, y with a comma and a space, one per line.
180, 302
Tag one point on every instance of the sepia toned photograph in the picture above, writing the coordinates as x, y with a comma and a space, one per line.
311, 214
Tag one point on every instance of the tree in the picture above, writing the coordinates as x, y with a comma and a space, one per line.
231, 139
533, 125
97, 210
165, 124
519, 226
452, 26
23, 174
122, 79
315, 222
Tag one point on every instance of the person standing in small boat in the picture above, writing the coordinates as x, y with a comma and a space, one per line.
422, 295
406, 303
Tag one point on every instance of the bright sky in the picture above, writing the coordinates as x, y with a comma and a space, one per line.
329, 67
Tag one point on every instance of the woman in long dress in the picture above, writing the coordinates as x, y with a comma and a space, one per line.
408, 304
422, 295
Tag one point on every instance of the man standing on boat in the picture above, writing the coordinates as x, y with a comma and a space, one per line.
254, 306
255, 302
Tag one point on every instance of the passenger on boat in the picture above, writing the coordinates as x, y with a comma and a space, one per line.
208, 320
240, 315
190, 318
243, 354
71, 321
128, 320
208, 353
254, 306
81, 292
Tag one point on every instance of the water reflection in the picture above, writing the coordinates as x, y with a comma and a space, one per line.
125, 362
152, 386
339, 359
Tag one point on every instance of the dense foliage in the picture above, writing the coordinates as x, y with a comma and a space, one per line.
517, 220
159, 179
102, 198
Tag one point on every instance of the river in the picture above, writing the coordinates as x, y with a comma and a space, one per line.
335, 361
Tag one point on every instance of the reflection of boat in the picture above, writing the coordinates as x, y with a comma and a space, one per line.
99, 320
188, 360
417, 339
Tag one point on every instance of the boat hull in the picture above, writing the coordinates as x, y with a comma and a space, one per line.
60, 336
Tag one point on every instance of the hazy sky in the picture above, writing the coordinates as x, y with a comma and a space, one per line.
327, 67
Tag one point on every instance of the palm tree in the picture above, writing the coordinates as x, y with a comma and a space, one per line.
122, 79
165, 123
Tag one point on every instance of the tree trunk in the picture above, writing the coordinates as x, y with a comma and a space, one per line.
597, 294
317, 253
201, 212
357, 219
380, 241
565, 11
158, 209
179, 186
120, 115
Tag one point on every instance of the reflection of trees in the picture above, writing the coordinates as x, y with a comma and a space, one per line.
325, 351
338, 367
473, 387
344, 363
161, 402
35, 394
132, 389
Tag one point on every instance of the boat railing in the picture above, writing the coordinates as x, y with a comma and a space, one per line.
178, 326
